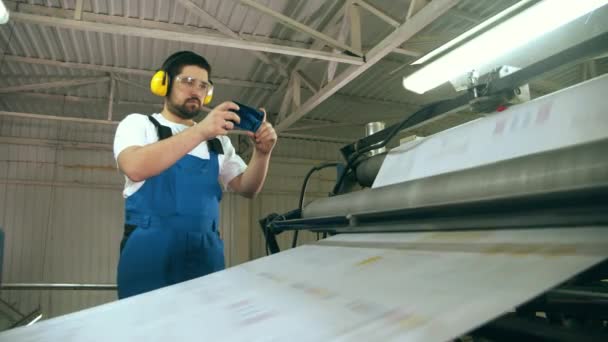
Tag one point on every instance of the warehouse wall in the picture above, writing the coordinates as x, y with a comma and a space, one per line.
61, 208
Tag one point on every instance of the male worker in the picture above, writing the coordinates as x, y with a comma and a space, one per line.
173, 167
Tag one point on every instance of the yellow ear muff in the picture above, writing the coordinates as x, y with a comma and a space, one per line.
159, 83
209, 96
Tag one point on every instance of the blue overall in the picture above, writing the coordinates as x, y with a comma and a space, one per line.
176, 236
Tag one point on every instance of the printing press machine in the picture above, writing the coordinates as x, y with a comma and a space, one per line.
492, 230
536, 170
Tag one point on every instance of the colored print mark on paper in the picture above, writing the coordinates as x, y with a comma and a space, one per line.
369, 260
363, 307
512, 249
249, 313
559, 250
523, 120
457, 236
543, 113
500, 126
523, 250
404, 319
320, 292
258, 318
314, 291
531, 249
271, 276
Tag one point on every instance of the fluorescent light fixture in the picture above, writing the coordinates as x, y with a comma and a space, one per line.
3, 13
472, 31
506, 36
36, 319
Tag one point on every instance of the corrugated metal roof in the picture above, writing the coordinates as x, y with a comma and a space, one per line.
377, 94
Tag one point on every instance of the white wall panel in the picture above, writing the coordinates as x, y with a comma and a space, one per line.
55, 303
235, 226
307, 149
61, 209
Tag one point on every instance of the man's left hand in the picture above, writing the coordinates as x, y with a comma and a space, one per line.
265, 138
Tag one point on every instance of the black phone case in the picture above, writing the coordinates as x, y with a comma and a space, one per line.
251, 118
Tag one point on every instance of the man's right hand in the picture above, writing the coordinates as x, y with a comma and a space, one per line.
219, 121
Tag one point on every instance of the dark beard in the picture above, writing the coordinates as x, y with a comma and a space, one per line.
182, 110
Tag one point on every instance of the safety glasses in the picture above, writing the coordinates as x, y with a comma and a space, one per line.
189, 82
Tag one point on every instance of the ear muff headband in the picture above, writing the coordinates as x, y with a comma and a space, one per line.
160, 84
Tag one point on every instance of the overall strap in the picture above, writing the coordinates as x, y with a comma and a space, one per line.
215, 145
164, 132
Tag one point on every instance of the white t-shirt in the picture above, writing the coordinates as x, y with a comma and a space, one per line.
138, 130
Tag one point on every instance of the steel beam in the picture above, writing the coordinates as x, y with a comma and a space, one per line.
56, 84
129, 71
78, 11
111, 99
355, 25
416, 23
57, 118
107, 122
89, 26
378, 13
208, 18
79, 99
125, 20
287, 21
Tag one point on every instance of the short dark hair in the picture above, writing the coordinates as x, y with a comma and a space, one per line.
178, 60
174, 64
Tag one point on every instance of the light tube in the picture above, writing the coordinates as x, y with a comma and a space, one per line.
509, 35
3, 13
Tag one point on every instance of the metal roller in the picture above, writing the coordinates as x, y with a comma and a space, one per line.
573, 168
367, 170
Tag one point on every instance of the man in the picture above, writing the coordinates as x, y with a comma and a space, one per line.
172, 177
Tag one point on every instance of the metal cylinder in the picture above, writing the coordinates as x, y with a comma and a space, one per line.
371, 128
575, 167
367, 170
57, 286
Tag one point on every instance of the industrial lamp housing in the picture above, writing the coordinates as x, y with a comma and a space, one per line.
505, 36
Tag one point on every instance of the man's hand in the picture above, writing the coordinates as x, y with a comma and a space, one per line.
250, 182
265, 138
219, 121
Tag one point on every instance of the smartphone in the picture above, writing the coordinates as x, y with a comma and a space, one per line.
251, 118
